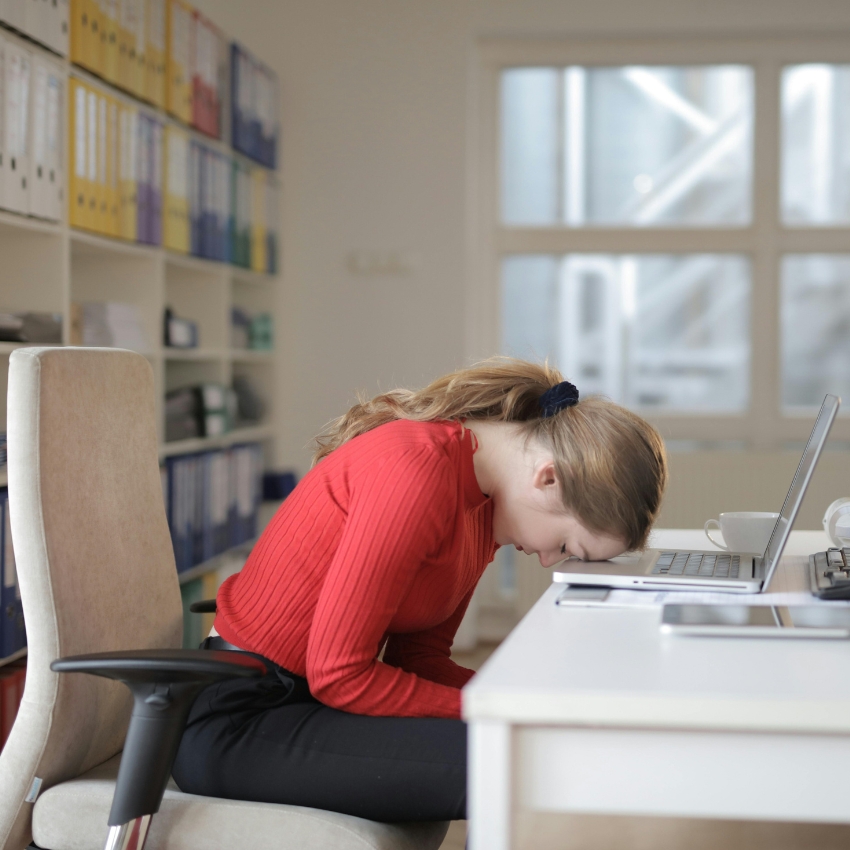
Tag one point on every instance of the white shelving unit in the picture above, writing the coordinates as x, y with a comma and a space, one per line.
47, 266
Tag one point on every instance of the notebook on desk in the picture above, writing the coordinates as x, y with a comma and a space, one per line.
737, 572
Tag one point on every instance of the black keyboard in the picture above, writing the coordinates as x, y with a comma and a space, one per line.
697, 564
830, 573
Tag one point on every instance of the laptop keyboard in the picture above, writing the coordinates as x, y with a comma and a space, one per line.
697, 564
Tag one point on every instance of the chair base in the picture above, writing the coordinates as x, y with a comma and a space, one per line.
129, 836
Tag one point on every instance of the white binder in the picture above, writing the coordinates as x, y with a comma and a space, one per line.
17, 72
3, 164
58, 26
35, 13
45, 162
38, 134
57, 86
14, 13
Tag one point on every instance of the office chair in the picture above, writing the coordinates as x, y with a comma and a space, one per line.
101, 596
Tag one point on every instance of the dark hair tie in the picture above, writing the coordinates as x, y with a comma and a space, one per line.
556, 398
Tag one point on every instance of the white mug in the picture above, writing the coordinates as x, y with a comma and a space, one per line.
743, 531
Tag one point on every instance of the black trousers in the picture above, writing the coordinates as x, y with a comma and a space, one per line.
269, 740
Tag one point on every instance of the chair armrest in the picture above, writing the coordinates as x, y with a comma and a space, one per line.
164, 684
163, 665
205, 606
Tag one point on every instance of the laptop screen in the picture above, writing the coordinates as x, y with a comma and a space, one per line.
798, 486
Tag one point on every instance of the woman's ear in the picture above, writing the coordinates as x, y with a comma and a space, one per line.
544, 475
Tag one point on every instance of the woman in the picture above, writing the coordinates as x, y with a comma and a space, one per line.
378, 550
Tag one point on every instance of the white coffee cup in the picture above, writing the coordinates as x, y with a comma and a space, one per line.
743, 531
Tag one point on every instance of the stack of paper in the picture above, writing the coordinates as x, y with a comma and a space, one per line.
113, 325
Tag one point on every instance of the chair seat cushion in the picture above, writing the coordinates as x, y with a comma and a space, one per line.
73, 815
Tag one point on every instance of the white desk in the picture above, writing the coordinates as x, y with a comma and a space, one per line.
593, 710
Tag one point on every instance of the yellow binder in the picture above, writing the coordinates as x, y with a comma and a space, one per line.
176, 224
126, 11
155, 52
258, 220
111, 55
128, 131
138, 48
113, 198
85, 33
178, 99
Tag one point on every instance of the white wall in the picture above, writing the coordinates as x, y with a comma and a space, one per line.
375, 97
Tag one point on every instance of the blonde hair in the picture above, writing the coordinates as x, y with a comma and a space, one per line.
610, 463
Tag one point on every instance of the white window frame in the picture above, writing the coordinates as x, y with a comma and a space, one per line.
764, 426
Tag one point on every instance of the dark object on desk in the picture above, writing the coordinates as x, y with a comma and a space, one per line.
829, 573
31, 327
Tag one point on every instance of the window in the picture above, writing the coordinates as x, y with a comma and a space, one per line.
669, 223
637, 146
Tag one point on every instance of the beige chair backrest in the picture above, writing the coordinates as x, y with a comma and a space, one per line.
94, 556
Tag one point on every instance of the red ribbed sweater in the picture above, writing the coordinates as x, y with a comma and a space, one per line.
379, 546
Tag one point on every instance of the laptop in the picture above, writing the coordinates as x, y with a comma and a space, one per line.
737, 572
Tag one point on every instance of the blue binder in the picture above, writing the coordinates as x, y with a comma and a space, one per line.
14, 633
195, 205
5, 632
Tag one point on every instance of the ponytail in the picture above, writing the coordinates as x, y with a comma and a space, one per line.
610, 463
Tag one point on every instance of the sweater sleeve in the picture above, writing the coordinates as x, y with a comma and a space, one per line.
399, 511
428, 653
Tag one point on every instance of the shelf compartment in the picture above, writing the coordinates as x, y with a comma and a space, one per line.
18, 221
250, 277
21, 653
190, 354
254, 434
188, 372
200, 293
248, 355
34, 270
225, 559
84, 243
102, 272
196, 264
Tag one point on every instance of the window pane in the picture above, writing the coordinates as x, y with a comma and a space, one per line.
530, 146
815, 329
816, 144
529, 288
658, 332
629, 146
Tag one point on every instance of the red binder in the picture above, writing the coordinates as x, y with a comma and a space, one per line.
8, 702
12, 679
